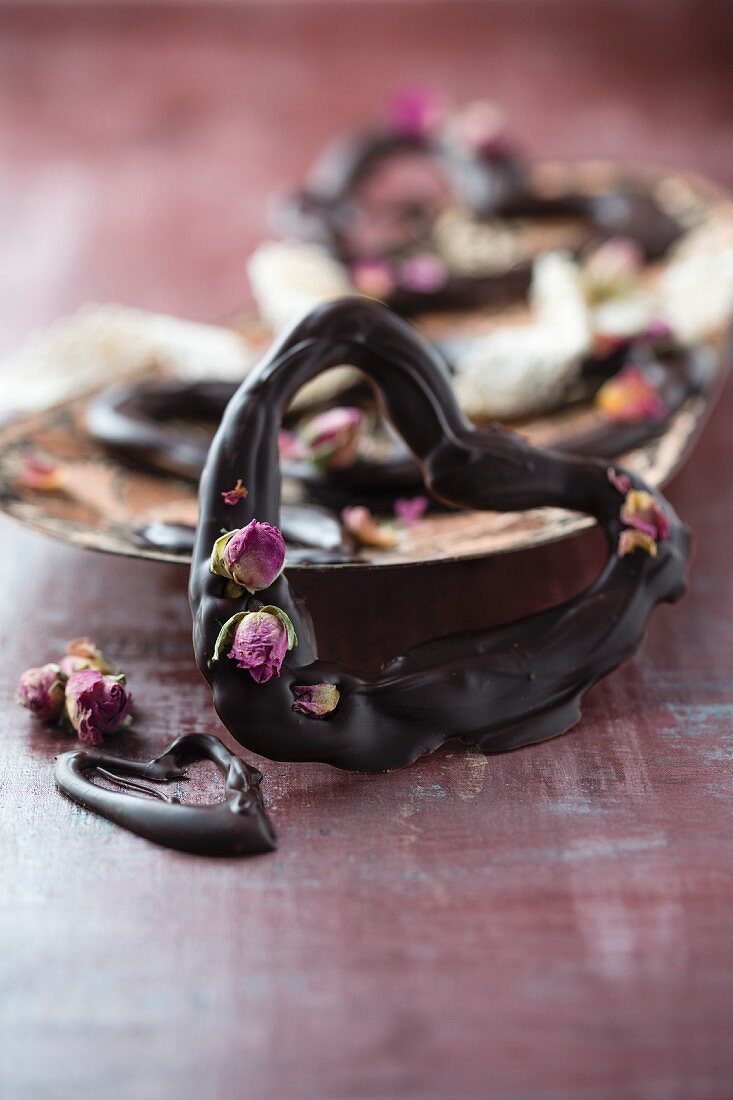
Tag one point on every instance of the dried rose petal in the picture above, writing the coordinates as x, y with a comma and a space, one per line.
44, 477
360, 523
630, 397
423, 274
630, 540
622, 482
641, 511
332, 437
41, 691
233, 496
416, 111
257, 641
374, 278
315, 700
252, 557
96, 705
411, 510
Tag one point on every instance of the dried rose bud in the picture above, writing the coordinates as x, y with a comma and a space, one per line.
97, 705
374, 278
332, 437
629, 398
257, 641
658, 334
621, 482
411, 510
416, 111
315, 700
233, 496
83, 653
41, 691
43, 476
423, 274
360, 523
630, 540
612, 269
641, 511
250, 557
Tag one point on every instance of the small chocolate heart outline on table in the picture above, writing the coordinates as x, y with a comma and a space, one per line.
496, 689
236, 826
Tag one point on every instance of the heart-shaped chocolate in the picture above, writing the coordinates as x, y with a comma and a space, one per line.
235, 827
496, 688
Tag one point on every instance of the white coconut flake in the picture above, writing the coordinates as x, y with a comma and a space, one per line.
520, 370
105, 344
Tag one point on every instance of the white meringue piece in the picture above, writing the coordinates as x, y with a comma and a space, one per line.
104, 344
519, 370
696, 295
290, 278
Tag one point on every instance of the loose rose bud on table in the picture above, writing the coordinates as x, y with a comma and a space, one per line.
84, 691
41, 691
96, 705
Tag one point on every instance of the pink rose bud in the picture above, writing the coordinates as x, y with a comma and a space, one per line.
289, 446
423, 274
83, 653
410, 510
315, 700
251, 557
41, 691
96, 705
257, 641
332, 437
375, 278
360, 523
630, 398
641, 511
612, 269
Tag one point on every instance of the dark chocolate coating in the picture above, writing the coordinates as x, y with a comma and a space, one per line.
496, 688
238, 826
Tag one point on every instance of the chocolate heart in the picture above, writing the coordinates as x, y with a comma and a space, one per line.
496, 688
490, 183
235, 827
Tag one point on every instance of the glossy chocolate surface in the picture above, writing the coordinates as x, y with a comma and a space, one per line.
497, 688
238, 826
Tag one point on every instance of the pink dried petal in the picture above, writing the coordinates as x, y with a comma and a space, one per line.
42, 476
622, 482
415, 112
360, 523
233, 496
641, 511
423, 274
630, 540
315, 700
630, 397
411, 510
374, 278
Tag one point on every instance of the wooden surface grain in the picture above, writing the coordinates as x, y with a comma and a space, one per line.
553, 923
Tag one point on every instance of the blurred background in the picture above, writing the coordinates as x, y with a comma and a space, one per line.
140, 143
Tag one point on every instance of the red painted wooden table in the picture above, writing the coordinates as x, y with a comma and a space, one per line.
551, 923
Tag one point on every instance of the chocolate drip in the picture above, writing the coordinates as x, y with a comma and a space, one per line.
238, 826
496, 688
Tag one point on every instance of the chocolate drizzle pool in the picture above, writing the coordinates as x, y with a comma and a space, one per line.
496, 689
